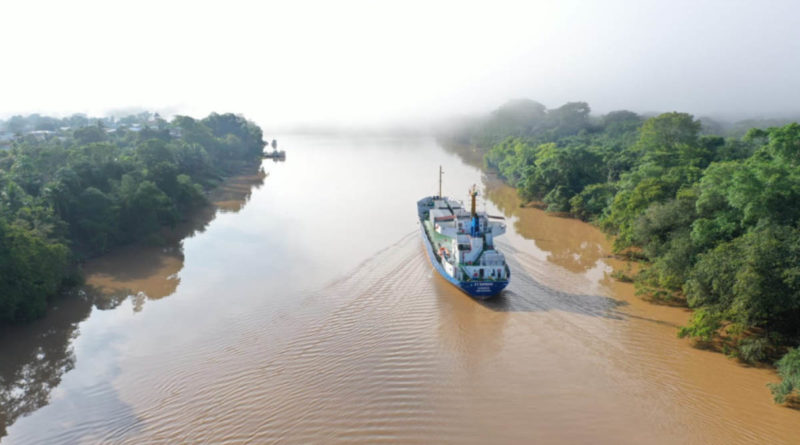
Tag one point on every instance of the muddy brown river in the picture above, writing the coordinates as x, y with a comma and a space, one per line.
303, 309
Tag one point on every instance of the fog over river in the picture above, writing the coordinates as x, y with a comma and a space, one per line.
303, 309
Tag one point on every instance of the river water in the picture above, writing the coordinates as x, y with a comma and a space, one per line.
303, 309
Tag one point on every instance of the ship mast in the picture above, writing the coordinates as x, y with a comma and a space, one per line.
441, 172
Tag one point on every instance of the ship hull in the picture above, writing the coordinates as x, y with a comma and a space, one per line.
481, 290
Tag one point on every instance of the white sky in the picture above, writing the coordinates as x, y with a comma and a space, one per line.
350, 62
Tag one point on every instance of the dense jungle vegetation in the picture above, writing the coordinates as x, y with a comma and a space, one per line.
74, 188
714, 219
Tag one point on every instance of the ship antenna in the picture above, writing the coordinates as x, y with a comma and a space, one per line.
441, 172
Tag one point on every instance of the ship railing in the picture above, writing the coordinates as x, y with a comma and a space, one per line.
468, 277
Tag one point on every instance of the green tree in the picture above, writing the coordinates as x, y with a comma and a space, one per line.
89, 134
661, 137
789, 370
31, 270
569, 118
95, 218
592, 200
754, 279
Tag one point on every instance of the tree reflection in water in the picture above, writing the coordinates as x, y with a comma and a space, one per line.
36, 356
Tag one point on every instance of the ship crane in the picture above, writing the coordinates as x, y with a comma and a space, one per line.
474, 229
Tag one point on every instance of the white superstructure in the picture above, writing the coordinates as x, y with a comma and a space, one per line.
464, 242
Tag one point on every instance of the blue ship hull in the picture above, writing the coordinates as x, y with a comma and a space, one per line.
481, 290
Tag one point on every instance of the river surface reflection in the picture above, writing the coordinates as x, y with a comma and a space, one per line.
302, 308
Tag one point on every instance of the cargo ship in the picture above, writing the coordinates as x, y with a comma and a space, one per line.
460, 244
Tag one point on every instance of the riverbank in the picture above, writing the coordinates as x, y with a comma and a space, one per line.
74, 196
715, 220
148, 271
749, 348
36, 355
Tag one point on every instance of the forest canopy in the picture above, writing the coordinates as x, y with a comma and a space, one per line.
76, 187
